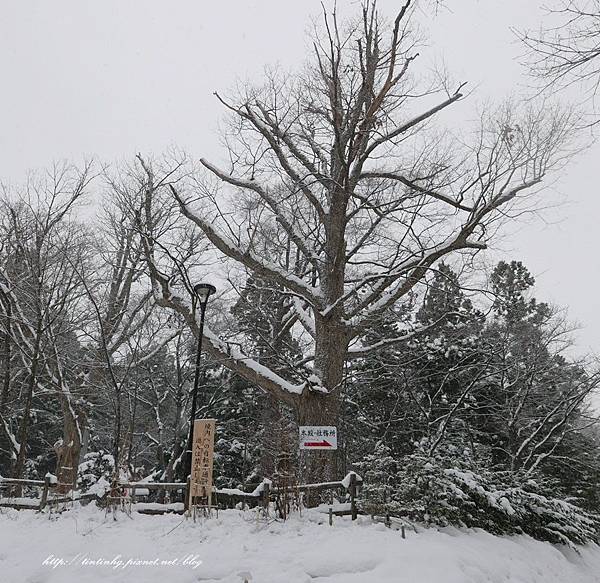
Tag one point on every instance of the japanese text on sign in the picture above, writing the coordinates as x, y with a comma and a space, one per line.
318, 437
202, 457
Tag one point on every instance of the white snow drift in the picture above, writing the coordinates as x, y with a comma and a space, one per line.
84, 545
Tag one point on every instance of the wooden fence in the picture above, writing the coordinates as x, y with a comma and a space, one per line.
228, 497
261, 495
46, 485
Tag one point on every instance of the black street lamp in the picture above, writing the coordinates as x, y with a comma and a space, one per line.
203, 291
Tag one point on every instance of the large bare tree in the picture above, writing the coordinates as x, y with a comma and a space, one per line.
342, 193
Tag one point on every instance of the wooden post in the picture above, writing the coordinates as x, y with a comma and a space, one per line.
403, 531
266, 495
331, 517
352, 490
187, 495
131, 500
45, 493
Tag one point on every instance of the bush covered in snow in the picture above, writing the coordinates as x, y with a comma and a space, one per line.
483, 420
95, 472
443, 491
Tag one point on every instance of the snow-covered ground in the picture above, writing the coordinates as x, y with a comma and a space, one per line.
236, 546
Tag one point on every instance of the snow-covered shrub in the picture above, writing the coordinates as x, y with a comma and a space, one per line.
449, 489
380, 473
96, 472
496, 502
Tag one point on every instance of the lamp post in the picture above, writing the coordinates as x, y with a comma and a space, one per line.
203, 291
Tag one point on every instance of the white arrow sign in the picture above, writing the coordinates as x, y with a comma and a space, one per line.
318, 437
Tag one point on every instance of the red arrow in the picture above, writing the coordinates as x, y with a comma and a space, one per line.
317, 444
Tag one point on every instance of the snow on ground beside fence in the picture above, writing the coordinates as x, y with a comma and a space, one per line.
236, 546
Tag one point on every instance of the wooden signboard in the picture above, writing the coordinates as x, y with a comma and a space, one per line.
203, 448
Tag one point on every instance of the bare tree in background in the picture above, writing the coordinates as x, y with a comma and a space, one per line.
38, 281
340, 170
134, 332
127, 331
75, 312
566, 50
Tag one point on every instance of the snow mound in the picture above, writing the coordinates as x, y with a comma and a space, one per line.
86, 545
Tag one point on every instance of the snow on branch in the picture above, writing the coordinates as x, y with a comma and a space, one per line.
229, 356
358, 351
286, 222
303, 316
389, 290
381, 297
246, 257
410, 124
414, 186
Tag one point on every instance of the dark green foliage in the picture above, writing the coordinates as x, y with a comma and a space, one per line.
96, 472
446, 489
480, 421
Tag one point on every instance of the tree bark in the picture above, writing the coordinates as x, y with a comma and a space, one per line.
318, 465
7, 353
69, 450
24, 429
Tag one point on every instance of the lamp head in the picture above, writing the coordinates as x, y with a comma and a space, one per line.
204, 291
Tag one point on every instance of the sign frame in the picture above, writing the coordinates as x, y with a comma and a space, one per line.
203, 451
317, 437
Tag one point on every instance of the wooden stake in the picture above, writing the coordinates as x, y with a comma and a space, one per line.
266, 492
45, 492
352, 489
187, 496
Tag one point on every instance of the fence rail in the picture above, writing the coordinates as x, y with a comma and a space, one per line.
153, 485
260, 495
20, 482
47, 485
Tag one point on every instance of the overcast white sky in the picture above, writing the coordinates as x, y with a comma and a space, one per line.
109, 78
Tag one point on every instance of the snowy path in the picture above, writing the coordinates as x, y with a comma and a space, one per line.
299, 551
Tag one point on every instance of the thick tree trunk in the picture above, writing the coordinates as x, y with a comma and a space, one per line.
318, 465
19, 465
271, 440
177, 443
69, 450
131, 430
323, 409
171, 471
6, 354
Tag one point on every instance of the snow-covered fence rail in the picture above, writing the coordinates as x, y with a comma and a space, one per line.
47, 484
153, 485
223, 495
140, 488
259, 496
350, 483
320, 486
5, 482
228, 496
21, 501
